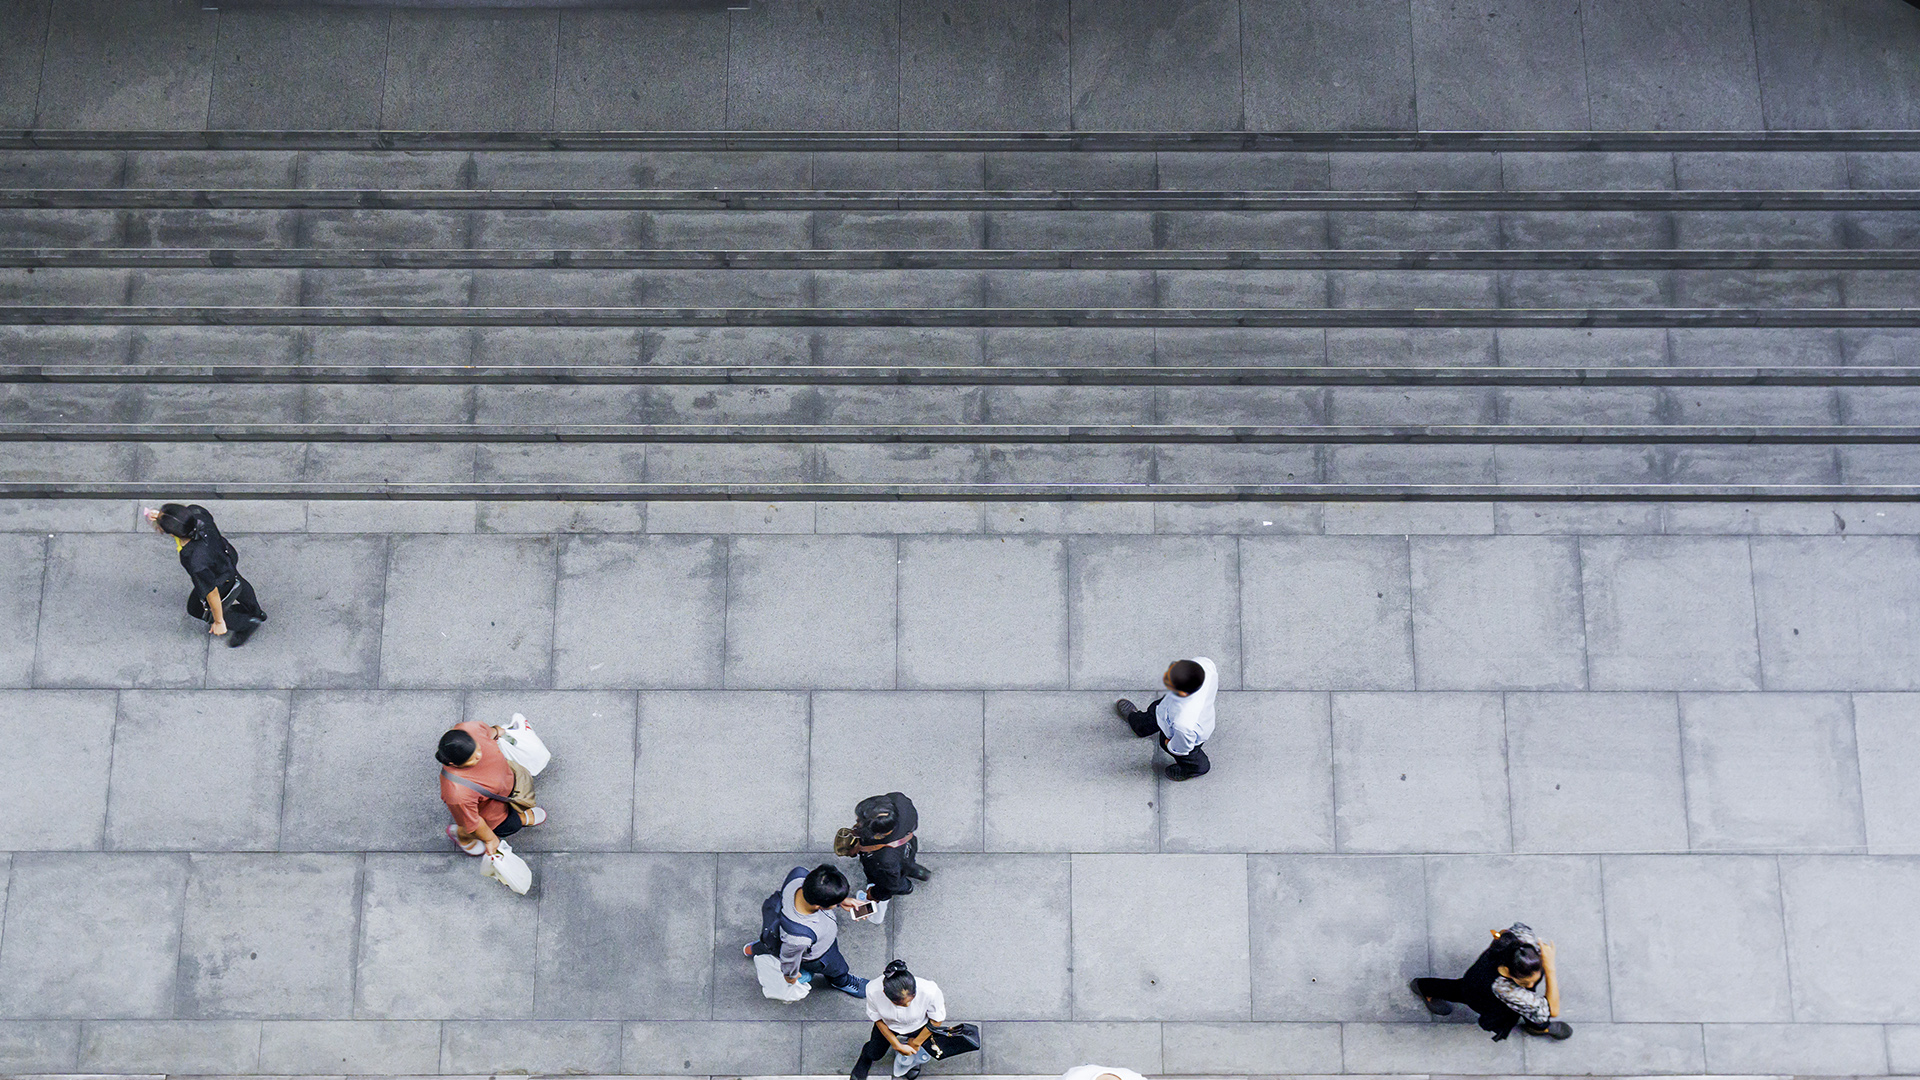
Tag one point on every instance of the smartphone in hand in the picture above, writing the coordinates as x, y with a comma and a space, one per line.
862, 908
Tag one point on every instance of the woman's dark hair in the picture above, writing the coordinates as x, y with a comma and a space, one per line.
825, 886
898, 981
1187, 676
456, 747
1524, 961
180, 521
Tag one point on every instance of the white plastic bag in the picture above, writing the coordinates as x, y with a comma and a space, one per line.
509, 869
521, 745
775, 985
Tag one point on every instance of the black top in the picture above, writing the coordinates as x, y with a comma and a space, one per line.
886, 869
1478, 986
207, 557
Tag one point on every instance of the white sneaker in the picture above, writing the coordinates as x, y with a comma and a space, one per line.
478, 847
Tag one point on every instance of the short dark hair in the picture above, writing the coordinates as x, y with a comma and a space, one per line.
1187, 676
456, 747
177, 520
825, 886
1524, 961
898, 981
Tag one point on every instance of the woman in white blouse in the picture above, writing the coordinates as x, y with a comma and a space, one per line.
903, 1010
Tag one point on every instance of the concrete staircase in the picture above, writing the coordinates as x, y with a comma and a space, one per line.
1031, 316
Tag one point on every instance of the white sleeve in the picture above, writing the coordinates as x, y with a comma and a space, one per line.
936, 1003
873, 1011
1180, 740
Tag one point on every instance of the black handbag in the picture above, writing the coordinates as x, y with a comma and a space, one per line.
953, 1041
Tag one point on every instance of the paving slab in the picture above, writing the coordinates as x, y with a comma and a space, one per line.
1103, 801
68, 735
1887, 736
1154, 68
854, 752
1420, 772
987, 612
756, 1048
654, 912
1034, 1049
23, 556
1825, 897
343, 793
1535, 88
237, 959
1675, 67
325, 598
1458, 1049
1138, 604
1828, 65
1271, 788
349, 1046
985, 65
560, 1047
678, 804
1215, 1049
1596, 772
55, 961
230, 746
841, 589
1674, 921
1317, 65
1834, 614
1336, 938
1669, 613
1803, 1048
22, 45
588, 786
794, 68
1778, 772
114, 614
315, 70
1023, 970
640, 611
177, 1046
405, 969
1498, 612
1559, 896
114, 66
470, 71
1620, 1050
468, 611
610, 65
1326, 613
51, 1046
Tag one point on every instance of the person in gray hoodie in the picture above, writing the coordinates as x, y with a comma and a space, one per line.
798, 925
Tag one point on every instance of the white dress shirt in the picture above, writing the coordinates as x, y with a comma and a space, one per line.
1188, 721
1094, 1072
929, 1005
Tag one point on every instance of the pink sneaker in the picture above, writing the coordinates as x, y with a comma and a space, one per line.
478, 847
535, 816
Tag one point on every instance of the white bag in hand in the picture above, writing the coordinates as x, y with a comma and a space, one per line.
523, 747
509, 869
775, 985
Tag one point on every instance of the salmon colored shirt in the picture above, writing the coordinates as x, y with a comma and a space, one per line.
492, 772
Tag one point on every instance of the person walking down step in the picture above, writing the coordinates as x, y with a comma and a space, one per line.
219, 592
883, 838
489, 796
1511, 984
798, 925
903, 1010
1183, 719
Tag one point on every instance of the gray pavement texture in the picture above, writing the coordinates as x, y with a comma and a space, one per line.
877, 65
1677, 739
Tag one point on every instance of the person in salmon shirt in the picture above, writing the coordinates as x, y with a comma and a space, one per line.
475, 781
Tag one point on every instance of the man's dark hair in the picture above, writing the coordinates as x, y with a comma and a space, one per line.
177, 520
456, 747
898, 981
825, 886
1187, 676
1524, 961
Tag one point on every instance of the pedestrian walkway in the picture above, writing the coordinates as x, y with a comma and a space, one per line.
1677, 740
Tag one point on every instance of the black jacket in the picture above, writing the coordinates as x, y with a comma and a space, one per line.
886, 868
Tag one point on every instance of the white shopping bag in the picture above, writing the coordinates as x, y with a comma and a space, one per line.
519, 742
509, 869
775, 985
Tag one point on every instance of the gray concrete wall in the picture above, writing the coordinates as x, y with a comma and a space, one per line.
970, 65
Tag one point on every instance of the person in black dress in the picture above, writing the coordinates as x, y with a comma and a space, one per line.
1512, 984
219, 592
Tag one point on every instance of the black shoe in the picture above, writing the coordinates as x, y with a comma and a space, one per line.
1555, 1030
912, 1074
238, 634
1124, 709
918, 872
1176, 773
1437, 1008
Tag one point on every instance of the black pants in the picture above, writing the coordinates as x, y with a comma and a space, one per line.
877, 1048
1192, 763
886, 870
1494, 1015
235, 599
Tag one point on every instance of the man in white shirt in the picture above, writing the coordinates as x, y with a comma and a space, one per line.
1182, 719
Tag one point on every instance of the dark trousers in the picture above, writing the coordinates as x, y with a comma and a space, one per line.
829, 965
1495, 1016
877, 1048
235, 599
1192, 763
886, 870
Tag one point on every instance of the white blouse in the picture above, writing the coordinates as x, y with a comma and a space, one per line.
929, 1005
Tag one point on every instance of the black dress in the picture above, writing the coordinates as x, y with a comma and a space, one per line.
213, 565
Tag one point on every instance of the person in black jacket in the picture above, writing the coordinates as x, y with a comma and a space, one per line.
1511, 985
218, 588
883, 833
